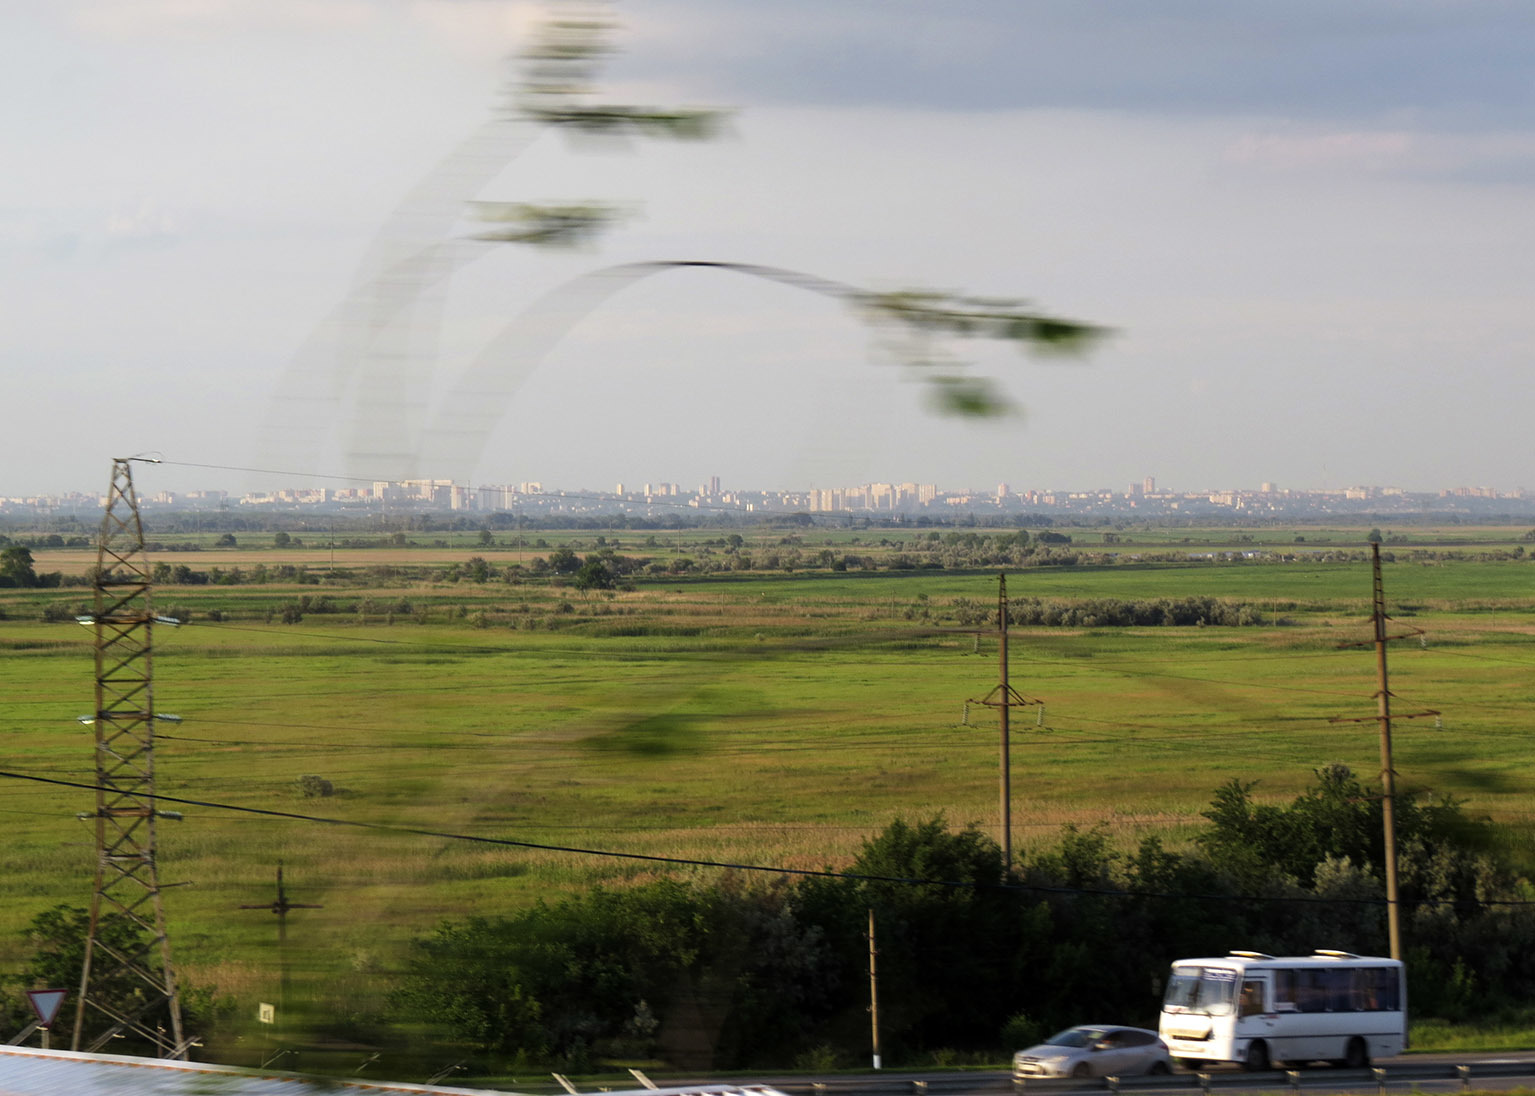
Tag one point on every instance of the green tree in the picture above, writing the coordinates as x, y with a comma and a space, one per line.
1338, 817
56, 938
946, 932
703, 976
595, 574
16, 567
562, 561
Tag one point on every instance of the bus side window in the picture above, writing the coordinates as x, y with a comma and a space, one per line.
1388, 988
1367, 985
1284, 991
1309, 992
1339, 989
1252, 999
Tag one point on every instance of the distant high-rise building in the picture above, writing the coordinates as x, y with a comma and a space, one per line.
618, 489
714, 485
1002, 491
1149, 485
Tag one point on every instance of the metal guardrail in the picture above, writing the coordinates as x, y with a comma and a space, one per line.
993, 1084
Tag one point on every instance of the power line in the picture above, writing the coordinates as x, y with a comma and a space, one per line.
953, 884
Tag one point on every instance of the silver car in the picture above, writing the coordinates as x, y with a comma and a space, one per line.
1095, 1050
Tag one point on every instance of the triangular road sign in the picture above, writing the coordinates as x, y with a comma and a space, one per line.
46, 1002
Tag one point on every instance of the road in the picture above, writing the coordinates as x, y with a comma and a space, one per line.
1428, 1073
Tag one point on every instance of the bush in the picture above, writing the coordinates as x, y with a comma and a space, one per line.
315, 787
1022, 1031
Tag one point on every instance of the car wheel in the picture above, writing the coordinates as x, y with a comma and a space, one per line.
1159, 1068
1257, 1060
1081, 1070
1357, 1056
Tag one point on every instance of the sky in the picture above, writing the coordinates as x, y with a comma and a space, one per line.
1309, 226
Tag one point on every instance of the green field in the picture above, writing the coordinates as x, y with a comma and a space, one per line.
764, 720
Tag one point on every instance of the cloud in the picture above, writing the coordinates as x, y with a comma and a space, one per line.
35, 234
1495, 157
478, 28
1364, 61
144, 226
158, 18
1367, 151
474, 29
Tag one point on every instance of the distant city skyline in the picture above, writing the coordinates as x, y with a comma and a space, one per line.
1145, 495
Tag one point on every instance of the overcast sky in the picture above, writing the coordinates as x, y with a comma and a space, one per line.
1310, 225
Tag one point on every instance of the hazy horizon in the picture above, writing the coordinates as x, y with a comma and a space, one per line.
151, 479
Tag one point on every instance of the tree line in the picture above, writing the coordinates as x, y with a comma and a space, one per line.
732, 970
974, 961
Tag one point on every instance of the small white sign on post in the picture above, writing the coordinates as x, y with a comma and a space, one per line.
46, 1002
267, 1013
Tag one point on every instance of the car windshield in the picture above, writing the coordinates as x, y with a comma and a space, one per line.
1075, 1037
1209, 990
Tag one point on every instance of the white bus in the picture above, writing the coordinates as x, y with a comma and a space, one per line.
1256, 1010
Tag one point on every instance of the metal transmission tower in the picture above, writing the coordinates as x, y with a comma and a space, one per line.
126, 976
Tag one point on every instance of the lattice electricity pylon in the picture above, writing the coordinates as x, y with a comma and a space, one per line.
120, 978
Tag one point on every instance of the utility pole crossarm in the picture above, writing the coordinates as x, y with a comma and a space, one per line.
1014, 699
1376, 719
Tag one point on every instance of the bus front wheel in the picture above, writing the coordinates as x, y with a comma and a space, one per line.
1257, 1060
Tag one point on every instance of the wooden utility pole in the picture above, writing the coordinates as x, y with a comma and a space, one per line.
1383, 717
1002, 724
1004, 697
873, 991
1387, 773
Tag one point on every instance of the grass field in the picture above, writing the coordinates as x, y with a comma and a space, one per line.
767, 720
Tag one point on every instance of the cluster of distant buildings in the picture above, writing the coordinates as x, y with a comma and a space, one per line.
1139, 500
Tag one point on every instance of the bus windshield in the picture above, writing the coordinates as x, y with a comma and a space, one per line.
1210, 990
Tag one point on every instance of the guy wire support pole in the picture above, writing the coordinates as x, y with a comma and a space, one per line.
1387, 770
119, 978
1004, 697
